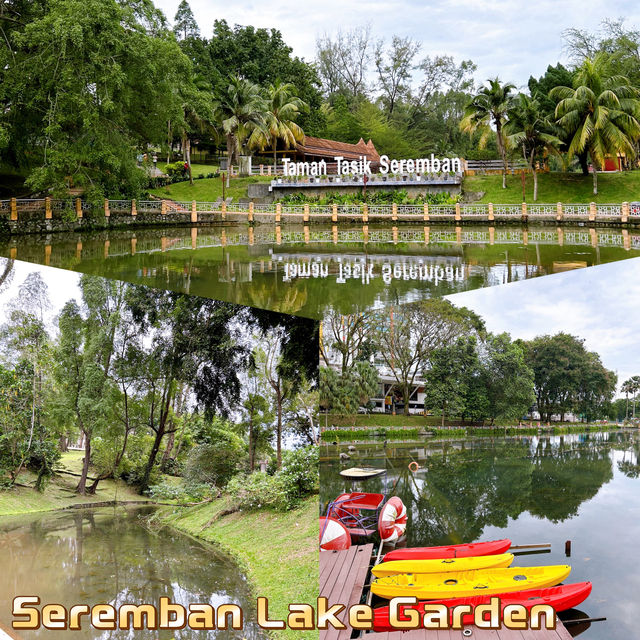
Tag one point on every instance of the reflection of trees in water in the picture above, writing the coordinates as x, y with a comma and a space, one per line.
91, 557
465, 486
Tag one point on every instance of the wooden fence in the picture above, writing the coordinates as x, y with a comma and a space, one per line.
169, 211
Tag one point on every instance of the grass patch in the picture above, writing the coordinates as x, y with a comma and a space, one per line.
208, 189
278, 551
372, 432
60, 493
558, 187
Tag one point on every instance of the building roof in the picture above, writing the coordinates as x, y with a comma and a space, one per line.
322, 147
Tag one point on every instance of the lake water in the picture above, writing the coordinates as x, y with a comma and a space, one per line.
584, 488
309, 270
92, 556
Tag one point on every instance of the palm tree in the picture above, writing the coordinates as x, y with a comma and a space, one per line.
528, 128
599, 113
489, 107
631, 386
626, 389
284, 107
241, 109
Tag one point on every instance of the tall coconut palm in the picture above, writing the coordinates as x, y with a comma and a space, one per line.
489, 108
632, 386
600, 113
284, 106
529, 129
241, 109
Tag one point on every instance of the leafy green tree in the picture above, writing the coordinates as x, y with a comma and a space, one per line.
528, 130
596, 390
407, 337
489, 108
599, 112
451, 369
102, 87
190, 341
184, 22
508, 379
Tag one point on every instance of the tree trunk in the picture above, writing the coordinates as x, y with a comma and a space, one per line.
144, 485
405, 399
279, 427
595, 179
189, 161
535, 184
252, 453
82, 485
168, 449
229, 157
503, 153
169, 141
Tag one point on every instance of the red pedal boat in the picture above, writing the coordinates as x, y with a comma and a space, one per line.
491, 548
561, 598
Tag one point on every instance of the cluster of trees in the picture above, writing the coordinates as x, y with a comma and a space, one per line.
467, 372
581, 113
85, 85
150, 381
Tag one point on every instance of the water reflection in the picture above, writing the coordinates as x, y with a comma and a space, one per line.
308, 269
583, 487
107, 556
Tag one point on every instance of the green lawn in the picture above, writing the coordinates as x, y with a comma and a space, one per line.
208, 189
59, 493
278, 551
559, 187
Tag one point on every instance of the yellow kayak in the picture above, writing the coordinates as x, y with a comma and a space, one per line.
442, 565
461, 584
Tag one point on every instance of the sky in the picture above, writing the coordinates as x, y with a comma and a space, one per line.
511, 39
600, 304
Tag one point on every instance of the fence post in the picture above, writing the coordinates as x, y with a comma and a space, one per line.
278, 212
107, 211
47, 208
625, 212
250, 214
394, 212
491, 217
425, 215
14, 209
163, 208
524, 212
251, 236
261, 169
593, 210
334, 213
134, 211
458, 216
194, 211
365, 213
79, 208
559, 212
223, 210
305, 215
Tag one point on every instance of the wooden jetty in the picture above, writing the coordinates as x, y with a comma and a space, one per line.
343, 576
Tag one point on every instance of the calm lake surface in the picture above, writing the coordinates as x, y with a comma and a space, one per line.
584, 488
108, 556
310, 270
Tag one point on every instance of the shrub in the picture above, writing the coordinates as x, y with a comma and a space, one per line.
216, 462
258, 491
181, 493
300, 473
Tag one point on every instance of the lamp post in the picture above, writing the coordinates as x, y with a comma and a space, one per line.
223, 177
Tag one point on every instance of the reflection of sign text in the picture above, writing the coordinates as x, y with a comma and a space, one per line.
351, 270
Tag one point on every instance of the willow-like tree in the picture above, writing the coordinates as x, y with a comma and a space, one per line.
487, 109
600, 113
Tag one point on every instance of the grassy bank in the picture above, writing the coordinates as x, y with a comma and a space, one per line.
60, 492
558, 187
278, 551
207, 189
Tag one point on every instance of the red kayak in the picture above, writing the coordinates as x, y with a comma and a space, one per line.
561, 598
492, 548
